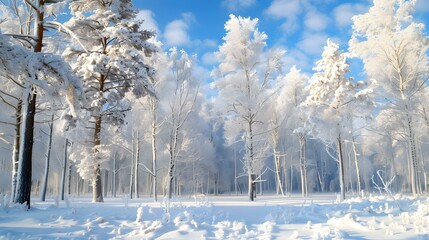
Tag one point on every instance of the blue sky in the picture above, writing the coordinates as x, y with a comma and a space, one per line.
300, 26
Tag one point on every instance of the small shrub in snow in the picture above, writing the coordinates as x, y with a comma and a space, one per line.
372, 224
155, 225
139, 217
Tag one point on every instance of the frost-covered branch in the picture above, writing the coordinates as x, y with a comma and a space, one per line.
64, 29
385, 185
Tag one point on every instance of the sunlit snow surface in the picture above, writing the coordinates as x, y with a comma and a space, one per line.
221, 217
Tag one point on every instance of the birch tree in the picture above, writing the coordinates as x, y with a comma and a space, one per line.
291, 98
334, 98
394, 51
242, 79
180, 105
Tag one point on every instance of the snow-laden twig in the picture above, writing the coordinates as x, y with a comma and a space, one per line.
385, 185
62, 28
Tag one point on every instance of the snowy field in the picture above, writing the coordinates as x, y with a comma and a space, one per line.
221, 217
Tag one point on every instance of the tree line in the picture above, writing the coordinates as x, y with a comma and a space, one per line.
120, 114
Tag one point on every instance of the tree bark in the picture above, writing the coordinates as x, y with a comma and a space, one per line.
173, 151
341, 168
303, 165
114, 176
414, 178
16, 147
64, 172
24, 177
356, 157
132, 168
97, 191
250, 157
136, 167
252, 186
48, 158
154, 156
69, 177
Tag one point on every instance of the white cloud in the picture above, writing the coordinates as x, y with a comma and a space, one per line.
316, 21
149, 22
210, 43
209, 58
298, 58
188, 17
176, 32
234, 5
284, 9
343, 13
289, 10
312, 43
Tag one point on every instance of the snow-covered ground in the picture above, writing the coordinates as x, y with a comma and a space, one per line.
221, 217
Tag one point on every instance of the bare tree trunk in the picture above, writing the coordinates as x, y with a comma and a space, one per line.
235, 174
16, 147
154, 156
279, 184
341, 167
48, 158
250, 158
275, 145
114, 176
252, 185
97, 187
24, 177
70, 176
136, 167
170, 178
64, 172
132, 168
303, 164
414, 178
356, 157
173, 151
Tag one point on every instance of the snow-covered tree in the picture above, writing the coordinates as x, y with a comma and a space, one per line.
159, 61
394, 51
39, 72
243, 78
110, 59
334, 99
287, 108
184, 91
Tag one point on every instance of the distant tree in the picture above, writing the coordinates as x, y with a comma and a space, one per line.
394, 50
243, 78
110, 60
